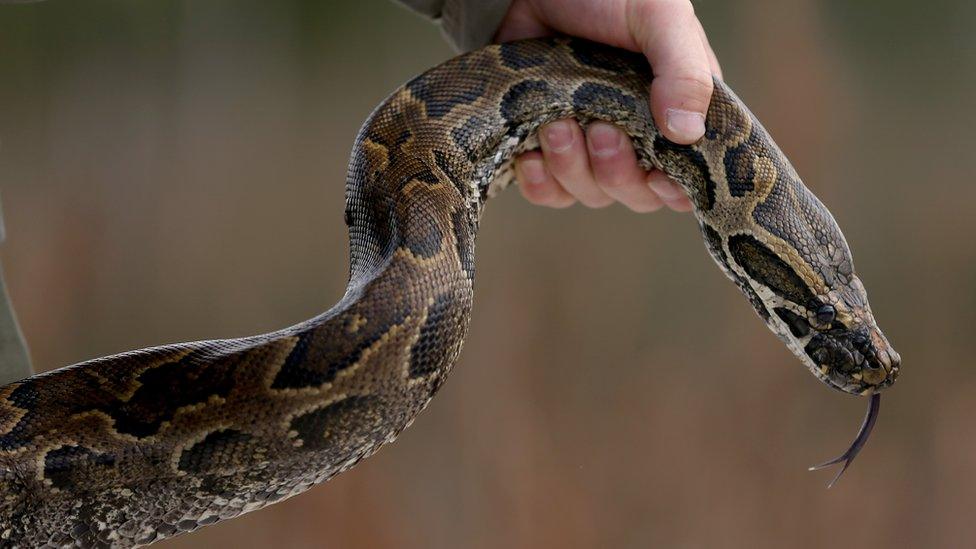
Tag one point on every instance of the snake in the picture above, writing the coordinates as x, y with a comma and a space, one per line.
129, 449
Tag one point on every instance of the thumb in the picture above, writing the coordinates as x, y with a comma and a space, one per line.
667, 32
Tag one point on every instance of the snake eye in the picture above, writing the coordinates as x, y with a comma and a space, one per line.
826, 314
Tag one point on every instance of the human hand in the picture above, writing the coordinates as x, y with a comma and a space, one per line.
600, 167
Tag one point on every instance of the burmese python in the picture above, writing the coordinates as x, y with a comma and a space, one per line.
133, 448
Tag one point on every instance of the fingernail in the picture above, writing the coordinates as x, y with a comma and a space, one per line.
686, 125
603, 139
558, 136
533, 171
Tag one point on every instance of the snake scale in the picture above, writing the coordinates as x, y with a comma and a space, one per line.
132, 448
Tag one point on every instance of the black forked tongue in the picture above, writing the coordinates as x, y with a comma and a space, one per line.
862, 437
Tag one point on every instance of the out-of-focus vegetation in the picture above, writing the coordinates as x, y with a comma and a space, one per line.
174, 170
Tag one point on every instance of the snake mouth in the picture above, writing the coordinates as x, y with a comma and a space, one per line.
854, 363
849, 383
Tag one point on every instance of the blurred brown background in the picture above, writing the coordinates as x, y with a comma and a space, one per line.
173, 170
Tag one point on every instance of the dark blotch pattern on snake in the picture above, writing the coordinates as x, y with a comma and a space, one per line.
132, 448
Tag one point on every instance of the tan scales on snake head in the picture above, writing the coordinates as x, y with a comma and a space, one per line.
129, 449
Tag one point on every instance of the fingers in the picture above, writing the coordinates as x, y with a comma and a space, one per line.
537, 185
564, 149
597, 168
672, 195
670, 35
600, 167
615, 168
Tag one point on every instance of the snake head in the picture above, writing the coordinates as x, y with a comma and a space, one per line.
838, 338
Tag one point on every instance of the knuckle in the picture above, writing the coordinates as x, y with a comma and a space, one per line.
572, 171
611, 181
694, 81
636, 12
562, 169
687, 89
650, 10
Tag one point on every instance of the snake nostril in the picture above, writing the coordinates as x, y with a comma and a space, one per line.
895, 358
885, 360
890, 361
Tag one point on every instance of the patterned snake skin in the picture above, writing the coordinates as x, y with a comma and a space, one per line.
129, 449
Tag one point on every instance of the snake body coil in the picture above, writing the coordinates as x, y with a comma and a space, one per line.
132, 448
